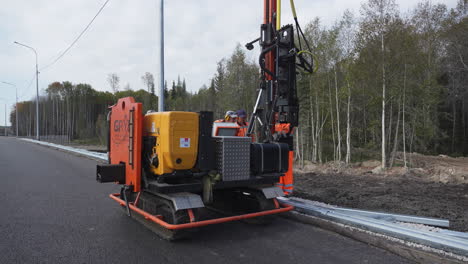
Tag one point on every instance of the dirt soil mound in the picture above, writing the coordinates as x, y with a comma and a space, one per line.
413, 192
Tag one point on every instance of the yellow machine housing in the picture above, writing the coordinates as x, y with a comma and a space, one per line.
176, 140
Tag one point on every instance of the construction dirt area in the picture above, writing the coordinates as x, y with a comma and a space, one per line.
435, 186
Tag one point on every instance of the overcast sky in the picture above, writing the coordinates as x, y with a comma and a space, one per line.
124, 38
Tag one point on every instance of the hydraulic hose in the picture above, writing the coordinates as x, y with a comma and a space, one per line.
293, 8
261, 59
314, 62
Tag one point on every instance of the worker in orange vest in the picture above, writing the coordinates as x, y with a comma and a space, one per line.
241, 121
283, 130
229, 117
243, 124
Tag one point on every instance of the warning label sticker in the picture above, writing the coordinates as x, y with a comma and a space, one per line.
185, 142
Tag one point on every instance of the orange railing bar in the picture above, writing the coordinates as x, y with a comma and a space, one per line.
157, 218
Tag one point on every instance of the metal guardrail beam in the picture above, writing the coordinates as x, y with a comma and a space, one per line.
84, 152
453, 233
389, 216
442, 241
397, 217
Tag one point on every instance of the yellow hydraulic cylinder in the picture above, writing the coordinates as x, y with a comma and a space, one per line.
278, 14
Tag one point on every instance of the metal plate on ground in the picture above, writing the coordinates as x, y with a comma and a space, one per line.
272, 192
184, 200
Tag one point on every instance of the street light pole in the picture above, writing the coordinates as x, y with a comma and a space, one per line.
16, 110
37, 88
16, 88
161, 89
5, 101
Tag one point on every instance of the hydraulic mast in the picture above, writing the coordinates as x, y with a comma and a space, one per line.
276, 110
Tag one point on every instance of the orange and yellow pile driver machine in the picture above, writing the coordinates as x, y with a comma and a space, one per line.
173, 170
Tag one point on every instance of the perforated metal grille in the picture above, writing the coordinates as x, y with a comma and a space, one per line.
233, 157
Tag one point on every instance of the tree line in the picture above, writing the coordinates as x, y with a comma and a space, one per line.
386, 83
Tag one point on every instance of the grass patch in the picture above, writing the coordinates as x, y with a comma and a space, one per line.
87, 141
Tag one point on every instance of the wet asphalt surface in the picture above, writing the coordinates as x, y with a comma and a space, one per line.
53, 211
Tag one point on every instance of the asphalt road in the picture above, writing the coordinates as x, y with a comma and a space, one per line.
53, 211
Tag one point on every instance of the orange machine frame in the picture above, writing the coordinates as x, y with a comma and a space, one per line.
126, 135
158, 219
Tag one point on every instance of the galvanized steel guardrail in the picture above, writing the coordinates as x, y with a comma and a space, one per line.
395, 217
384, 223
84, 152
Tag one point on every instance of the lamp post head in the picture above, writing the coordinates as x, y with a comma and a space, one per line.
8, 83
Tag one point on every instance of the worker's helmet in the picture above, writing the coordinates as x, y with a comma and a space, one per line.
241, 113
229, 115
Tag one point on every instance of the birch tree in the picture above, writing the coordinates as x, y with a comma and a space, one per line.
346, 41
114, 81
378, 14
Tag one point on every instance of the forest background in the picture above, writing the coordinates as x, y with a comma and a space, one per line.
386, 82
